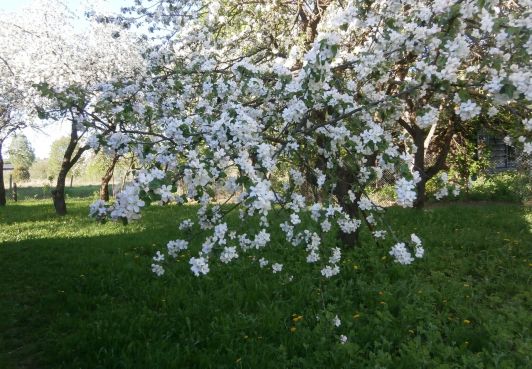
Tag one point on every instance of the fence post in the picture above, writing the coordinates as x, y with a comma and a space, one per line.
15, 192
10, 181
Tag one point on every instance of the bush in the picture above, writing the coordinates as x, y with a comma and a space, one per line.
506, 186
21, 174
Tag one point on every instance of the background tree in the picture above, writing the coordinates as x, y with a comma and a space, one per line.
22, 156
40, 170
73, 63
11, 121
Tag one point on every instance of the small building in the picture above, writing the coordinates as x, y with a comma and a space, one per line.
8, 167
502, 156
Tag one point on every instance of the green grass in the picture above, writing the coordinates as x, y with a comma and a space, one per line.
45, 192
74, 294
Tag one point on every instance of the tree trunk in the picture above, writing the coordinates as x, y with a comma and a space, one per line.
58, 193
71, 181
2, 188
345, 179
426, 173
419, 166
69, 159
104, 187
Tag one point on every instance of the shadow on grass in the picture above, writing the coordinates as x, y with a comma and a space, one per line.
88, 300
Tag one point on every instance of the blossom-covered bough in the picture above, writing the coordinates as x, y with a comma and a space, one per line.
295, 108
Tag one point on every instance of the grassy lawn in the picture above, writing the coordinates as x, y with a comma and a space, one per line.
74, 294
44, 192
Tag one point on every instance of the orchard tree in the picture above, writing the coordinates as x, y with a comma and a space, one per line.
74, 63
11, 121
13, 101
22, 156
333, 93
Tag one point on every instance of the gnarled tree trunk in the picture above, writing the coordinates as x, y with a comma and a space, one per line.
104, 187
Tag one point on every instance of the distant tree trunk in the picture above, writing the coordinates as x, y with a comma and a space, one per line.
442, 144
2, 188
71, 181
69, 159
15, 194
104, 187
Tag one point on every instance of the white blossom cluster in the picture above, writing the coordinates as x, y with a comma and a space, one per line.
445, 186
403, 254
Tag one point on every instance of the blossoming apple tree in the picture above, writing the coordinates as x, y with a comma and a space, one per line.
264, 100
61, 62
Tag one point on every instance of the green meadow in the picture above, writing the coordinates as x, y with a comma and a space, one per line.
76, 294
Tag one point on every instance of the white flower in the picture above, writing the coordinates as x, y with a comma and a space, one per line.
174, 247
320, 178
166, 193
336, 321
277, 267
441, 193
157, 269
343, 339
326, 225
336, 256
219, 233
428, 119
261, 239
365, 204
406, 194
263, 262
379, 234
158, 257
467, 110
186, 224
93, 142
415, 239
313, 257
527, 123
348, 225
98, 210
199, 266
228, 254
294, 219
330, 271
401, 254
